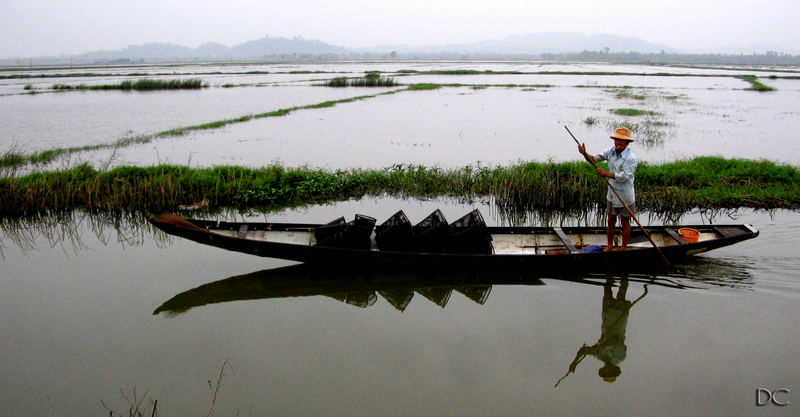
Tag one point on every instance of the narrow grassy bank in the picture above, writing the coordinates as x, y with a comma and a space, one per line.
707, 182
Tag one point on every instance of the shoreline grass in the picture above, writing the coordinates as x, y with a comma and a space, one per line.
703, 182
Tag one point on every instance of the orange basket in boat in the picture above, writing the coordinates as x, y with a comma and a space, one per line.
688, 234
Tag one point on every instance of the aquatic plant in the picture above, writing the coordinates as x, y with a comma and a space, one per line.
337, 82
626, 94
144, 84
370, 79
633, 112
424, 86
755, 85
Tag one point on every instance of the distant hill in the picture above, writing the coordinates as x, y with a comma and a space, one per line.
562, 46
265, 47
275, 46
538, 43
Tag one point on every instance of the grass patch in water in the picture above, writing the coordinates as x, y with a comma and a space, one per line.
647, 132
633, 112
755, 85
144, 84
370, 79
424, 86
625, 94
705, 182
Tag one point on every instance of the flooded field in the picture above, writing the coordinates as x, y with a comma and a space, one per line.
514, 112
88, 318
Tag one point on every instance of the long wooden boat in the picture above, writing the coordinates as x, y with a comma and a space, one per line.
469, 244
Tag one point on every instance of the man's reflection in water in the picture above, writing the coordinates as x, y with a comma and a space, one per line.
610, 348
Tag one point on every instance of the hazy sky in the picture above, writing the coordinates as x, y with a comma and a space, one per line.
40, 27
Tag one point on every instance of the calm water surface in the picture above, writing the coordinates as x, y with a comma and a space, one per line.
78, 328
78, 335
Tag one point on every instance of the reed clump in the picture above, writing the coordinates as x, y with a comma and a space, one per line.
370, 79
706, 182
144, 84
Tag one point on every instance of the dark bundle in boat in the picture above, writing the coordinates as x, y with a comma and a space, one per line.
395, 234
339, 233
432, 235
469, 235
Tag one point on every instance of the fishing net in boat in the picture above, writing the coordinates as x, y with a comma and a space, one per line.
342, 234
395, 234
469, 235
359, 232
432, 233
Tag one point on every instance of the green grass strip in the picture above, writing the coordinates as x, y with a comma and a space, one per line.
755, 85
705, 182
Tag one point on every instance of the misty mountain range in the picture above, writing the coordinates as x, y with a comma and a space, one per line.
531, 46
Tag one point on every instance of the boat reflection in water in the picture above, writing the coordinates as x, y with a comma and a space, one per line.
361, 287
356, 287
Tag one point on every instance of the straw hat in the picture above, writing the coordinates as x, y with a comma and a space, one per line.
622, 133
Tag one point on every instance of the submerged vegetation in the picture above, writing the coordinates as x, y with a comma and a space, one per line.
706, 182
144, 84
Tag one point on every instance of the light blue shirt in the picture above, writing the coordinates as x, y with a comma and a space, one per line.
624, 168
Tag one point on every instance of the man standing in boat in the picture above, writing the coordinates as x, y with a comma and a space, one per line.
622, 165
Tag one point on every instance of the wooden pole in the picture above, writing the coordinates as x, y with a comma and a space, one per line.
594, 164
